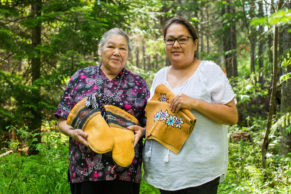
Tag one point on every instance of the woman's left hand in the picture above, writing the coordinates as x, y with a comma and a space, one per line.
181, 101
138, 132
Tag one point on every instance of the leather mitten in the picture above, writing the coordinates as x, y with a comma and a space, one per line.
100, 138
123, 150
119, 120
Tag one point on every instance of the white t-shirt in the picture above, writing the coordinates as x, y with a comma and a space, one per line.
204, 156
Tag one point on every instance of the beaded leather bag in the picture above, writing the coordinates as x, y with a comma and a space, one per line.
169, 129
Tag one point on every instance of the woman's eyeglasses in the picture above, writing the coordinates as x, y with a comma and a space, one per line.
181, 40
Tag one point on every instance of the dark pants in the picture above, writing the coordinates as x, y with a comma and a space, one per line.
105, 187
207, 188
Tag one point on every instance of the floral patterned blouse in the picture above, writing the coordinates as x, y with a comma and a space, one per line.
84, 164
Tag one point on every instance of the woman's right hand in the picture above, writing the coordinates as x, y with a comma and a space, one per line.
182, 101
76, 134
79, 135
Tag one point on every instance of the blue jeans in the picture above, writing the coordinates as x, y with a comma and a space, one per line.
207, 188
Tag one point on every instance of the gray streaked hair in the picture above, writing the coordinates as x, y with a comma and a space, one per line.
115, 31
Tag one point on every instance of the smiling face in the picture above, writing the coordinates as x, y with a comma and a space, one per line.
180, 55
114, 55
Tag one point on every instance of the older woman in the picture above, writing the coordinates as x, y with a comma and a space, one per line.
90, 172
202, 87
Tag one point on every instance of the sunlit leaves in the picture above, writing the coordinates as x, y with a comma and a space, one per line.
248, 89
281, 17
284, 121
286, 61
285, 77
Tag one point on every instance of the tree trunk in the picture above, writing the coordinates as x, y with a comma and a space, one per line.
284, 36
286, 87
229, 43
137, 56
261, 45
273, 94
143, 55
272, 99
149, 62
195, 5
270, 53
207, 32
156, 61
251, 32
233, 46
201, 31
270, 39
35, 125
285, 108
253, 53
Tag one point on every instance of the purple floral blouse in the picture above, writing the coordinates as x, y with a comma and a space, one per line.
84, 164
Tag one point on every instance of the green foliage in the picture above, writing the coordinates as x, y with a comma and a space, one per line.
245, 174
24, 137
285, 63
14, 92
252, 97
284, 121
148, 75
70, 31
247, 89
279, 18
46, 172
147, 189
213, 56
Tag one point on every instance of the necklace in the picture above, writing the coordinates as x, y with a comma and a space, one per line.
100, 82
99, 99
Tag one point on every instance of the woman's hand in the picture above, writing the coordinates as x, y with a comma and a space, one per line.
79, 135
76, 134
181, 101
221, 113
138, 132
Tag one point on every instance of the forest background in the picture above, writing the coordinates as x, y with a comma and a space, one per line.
43, 42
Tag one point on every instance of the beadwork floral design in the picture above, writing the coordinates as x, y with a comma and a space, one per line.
171, 120
164, 115
157, 116
178, 122
163, 98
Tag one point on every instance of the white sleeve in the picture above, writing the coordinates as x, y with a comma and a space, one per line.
218, 85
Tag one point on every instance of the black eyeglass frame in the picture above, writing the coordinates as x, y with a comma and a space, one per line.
177, 39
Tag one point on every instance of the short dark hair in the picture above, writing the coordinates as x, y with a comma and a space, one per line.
180, 20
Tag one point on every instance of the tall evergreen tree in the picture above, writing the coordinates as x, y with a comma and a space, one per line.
52, 39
